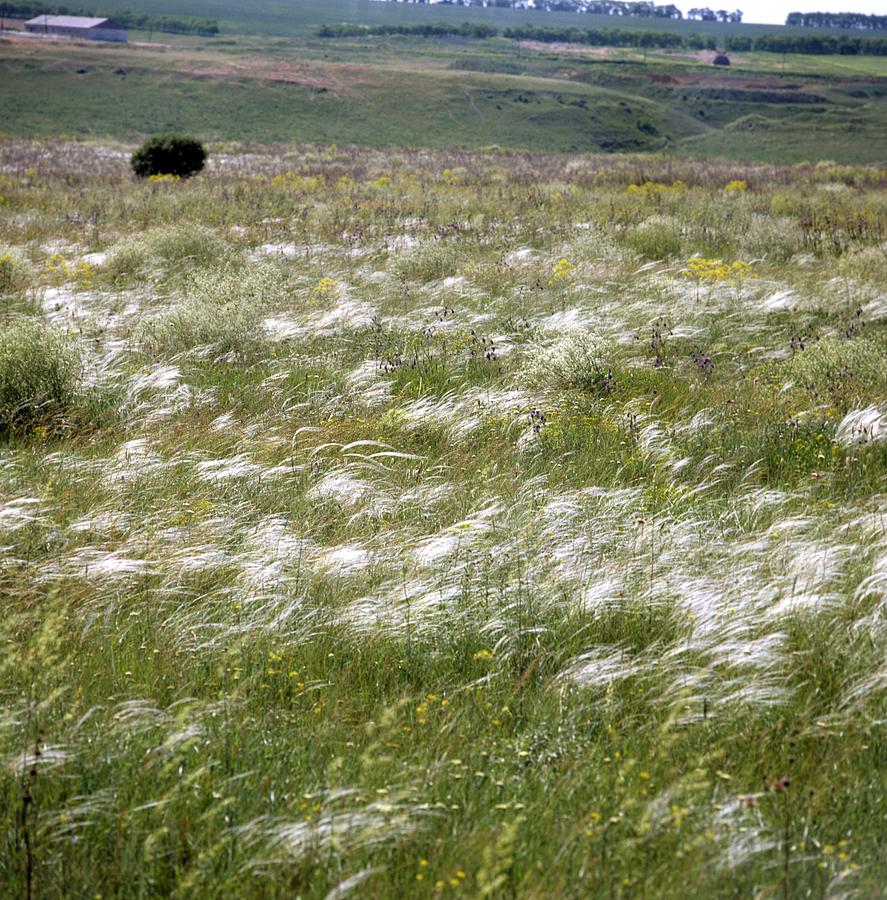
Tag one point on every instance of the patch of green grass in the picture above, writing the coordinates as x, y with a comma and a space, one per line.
39, 374
432, 110
849, 135
281, 17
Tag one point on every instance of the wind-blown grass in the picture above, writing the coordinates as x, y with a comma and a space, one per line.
39, 371
441, 544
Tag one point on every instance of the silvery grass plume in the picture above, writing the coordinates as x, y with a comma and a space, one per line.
336, 821
862, 426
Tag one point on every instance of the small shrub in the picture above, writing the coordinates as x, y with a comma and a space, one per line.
429, 262
223, 310
770, 236
126, 258
576, 362
841, 373
865, 264
657, 238
39, 371
230, 328
169, 154
13, 274
178, 243
167, 245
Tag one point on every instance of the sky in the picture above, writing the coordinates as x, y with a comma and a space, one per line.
773, 12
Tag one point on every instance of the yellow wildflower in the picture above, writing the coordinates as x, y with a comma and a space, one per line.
325, 289
562, 271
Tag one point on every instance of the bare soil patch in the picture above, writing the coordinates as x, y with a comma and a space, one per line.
545, 47
337, 79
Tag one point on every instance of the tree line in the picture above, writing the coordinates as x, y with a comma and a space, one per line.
611, 37
814, 44
859, 21
711, 15
433, 29
641, 8
167, 24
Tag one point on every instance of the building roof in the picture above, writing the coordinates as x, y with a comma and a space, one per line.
67, 22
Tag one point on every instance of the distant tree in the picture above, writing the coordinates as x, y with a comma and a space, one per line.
667, 12
640, 8
169, 154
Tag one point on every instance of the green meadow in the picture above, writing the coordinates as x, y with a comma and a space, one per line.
472, 484
300, 18
410, 92
443, 523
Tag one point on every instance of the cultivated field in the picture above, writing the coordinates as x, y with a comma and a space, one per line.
283, 17
436, 524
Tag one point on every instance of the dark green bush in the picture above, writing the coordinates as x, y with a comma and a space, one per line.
169, 154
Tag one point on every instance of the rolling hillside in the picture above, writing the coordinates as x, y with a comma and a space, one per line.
441, 93
301, 17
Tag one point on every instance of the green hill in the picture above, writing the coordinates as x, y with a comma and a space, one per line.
442, 93
301, 17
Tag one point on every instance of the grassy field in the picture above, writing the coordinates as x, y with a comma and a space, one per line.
398, 103
426, 524
444, 94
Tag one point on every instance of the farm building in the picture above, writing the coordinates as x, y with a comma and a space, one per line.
77, 27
